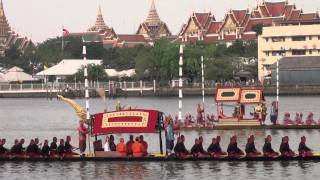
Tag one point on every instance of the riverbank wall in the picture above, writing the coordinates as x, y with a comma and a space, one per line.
159, 92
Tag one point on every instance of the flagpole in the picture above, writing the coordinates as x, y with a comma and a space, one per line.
180, 83
86, 85
62, 42
202, 79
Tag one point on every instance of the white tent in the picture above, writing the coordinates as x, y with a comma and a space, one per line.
124, 73
1, 77
67, 67
17, 74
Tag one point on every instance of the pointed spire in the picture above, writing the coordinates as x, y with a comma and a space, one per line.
99, 25
4, 25
153, 17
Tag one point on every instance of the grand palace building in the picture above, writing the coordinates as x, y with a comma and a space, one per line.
9, 37
240, 24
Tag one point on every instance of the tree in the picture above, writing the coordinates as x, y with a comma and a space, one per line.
258, 29
95, 73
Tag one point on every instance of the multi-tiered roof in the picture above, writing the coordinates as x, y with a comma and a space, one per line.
240, 24
101, 27
153, 28
8, 37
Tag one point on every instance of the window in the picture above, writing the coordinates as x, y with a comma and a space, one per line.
298, 52
277, 53
310, 37
298, 38
267, 39
267, 53
278, 39
310, 51
318, 37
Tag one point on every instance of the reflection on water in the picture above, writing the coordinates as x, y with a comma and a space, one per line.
31, 118
159, 170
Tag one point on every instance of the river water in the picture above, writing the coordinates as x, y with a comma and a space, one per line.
42, 118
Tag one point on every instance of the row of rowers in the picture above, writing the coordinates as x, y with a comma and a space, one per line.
35, 148
214, 150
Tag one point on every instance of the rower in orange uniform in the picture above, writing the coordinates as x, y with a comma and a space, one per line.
121, 147
251, 148
144, 144
137, 148
304, 150
129, 145
285, 149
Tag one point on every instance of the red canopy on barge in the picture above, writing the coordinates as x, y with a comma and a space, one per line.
126, 121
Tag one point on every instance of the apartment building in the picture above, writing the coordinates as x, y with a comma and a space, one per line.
289, 40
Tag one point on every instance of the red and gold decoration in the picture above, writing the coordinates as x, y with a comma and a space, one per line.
126, 121
250, 96
227, 94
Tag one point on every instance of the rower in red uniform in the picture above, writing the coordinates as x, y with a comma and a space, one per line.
31, 150
287, 120
267, 148
251, 148
304, 150
67, 146
298, 119
45, 149
53, 146
285, 149
310, 120
3, 150
233, 150
82, 137
200, 111
15, 149
180, 150
61, 149
214, 149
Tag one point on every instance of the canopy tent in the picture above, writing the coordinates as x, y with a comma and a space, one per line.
126, 121
17, 74
1, 77
67, 67
124, 73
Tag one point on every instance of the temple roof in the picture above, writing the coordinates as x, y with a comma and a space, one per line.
99, 25
153, 18
4, 25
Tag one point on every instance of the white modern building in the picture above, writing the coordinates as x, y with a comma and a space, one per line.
286, 40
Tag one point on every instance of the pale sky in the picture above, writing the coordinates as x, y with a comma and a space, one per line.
43, 19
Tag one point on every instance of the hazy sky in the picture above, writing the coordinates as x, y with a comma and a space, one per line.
42, 19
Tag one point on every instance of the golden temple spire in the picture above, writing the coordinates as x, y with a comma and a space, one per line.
4, 25
99, 25
153, 17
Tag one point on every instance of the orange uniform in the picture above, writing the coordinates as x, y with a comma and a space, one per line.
145, 147
137, 149
121, 148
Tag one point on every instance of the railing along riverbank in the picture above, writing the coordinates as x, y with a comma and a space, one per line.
138, 88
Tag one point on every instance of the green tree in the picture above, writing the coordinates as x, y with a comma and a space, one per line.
95, 73
258, 29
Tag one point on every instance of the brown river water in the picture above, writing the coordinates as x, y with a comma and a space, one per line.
30, 118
